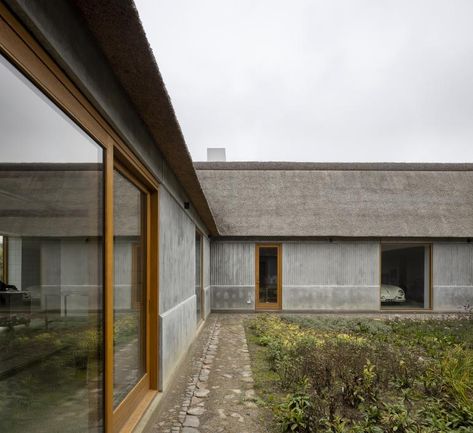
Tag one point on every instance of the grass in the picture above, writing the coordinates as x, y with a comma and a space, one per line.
337, 374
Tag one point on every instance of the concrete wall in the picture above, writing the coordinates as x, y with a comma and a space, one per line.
330, 276
206, 278
334, 276
452, 268
177, 303
232, 275
316, 275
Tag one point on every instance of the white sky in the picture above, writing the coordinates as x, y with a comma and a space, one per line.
318, 80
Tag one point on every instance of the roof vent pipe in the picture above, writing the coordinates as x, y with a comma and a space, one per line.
216, 154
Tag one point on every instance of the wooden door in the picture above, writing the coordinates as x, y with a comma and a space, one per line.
268, 277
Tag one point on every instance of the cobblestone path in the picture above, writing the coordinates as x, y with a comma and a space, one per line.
215, 394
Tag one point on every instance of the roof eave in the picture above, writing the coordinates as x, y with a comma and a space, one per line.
119, 33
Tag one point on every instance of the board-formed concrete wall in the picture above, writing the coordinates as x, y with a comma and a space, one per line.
452, 269
316, 275
330, 276
206, 277
232, 275
177, 300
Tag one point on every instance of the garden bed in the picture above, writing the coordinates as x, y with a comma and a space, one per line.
335, 374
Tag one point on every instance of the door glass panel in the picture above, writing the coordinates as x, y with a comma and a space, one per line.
405, 276
51, 179
129, 287
198, 274
268, 275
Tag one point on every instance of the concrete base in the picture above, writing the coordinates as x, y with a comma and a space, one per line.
177, 331
233, 298
452, 298
355, 298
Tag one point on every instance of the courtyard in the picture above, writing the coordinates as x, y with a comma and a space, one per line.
324, 373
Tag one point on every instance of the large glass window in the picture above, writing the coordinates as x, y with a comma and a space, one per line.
405, 276
129, 284
51, 177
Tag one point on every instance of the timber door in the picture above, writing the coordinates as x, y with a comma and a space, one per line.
268, 277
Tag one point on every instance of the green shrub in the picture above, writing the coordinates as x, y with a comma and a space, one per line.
293, 415
402, 376
457, 374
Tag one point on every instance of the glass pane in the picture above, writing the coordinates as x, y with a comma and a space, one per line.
405, 276
51, 177
129, 287
198, 274
268, 275
2, 278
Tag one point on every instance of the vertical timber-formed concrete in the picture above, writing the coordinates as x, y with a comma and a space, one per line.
232, 275
206, 277
452, 269
177, 300
331, 276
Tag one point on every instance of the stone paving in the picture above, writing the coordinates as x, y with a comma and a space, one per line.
215, 392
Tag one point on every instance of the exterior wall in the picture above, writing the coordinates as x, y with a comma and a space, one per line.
330, 276
232, 275
315, 275
177, 300
452, 269
334, 276
206, 277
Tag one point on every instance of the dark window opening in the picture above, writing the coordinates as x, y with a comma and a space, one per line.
268, 275
405, 276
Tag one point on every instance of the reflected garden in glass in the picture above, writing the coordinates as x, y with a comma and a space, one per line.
129, 287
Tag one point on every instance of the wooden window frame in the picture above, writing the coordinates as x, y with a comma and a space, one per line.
21, 49
273, 306
431, 253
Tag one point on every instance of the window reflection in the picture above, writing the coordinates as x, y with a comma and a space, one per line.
129, 283
51, 272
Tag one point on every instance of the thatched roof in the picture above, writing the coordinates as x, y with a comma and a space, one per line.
340, 200
62, 200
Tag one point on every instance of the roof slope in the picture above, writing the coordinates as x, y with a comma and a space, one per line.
118, 30
359, 200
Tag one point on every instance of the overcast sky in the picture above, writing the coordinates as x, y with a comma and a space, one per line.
318, 80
